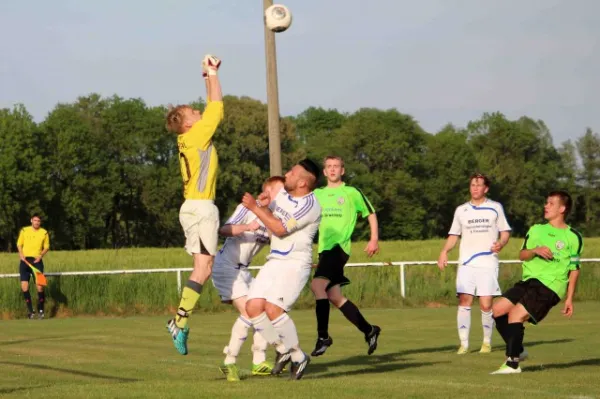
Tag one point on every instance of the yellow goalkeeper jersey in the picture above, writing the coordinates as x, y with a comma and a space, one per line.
198, 157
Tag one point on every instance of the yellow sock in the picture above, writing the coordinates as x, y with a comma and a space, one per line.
189, 297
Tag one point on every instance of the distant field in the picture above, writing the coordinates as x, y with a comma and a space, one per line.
157, 293
134, 358
156, 258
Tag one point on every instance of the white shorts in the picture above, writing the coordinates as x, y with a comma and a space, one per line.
477, 281
280, 282
200, 222
231, 281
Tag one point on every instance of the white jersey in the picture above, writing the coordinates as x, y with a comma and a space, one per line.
479, 227
240, 250
300, 217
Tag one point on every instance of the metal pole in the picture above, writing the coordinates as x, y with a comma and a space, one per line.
402, 281
272, 99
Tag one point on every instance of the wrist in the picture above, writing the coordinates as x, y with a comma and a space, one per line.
212, 72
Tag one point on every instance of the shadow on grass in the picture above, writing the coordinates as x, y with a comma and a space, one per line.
68, 371
17, 389
374, 363
559, 366
29, 340
536, 343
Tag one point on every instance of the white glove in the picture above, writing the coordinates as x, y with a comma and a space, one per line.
210, 65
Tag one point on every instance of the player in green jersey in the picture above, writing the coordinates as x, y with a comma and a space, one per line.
551, 256
340, 206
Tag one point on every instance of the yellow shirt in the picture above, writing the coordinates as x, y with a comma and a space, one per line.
33, 241
197, 155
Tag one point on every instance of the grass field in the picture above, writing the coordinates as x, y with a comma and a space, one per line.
133, 357
377, 287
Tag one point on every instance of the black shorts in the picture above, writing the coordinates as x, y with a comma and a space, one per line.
331, 267
25, 271
535, 297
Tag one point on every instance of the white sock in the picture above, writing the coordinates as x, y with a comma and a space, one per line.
463, 319
487, 321
239, 333
259, 348
263, 326
286, 329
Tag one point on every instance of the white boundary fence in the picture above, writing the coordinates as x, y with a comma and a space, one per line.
402, 265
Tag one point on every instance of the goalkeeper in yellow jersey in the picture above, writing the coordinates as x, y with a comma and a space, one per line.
199, 217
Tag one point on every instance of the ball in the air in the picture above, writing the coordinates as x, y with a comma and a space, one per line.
278, 18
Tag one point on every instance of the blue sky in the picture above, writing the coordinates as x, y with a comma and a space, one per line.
438, 60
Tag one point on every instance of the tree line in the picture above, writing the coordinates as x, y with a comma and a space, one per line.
104, 173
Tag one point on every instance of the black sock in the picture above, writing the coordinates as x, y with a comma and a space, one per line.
515, 343
27, 297
41, 300
502, 327
322, 310
355, 317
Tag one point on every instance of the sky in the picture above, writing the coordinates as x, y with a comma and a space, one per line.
441, 61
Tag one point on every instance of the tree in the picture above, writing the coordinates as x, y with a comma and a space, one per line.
588, 147
24, 186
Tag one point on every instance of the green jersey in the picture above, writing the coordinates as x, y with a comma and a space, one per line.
340, 208
566, 246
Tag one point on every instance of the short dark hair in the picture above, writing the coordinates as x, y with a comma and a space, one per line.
476, 175
312, 169
565, 200
36, 215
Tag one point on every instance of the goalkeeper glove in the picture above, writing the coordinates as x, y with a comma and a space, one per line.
210, 65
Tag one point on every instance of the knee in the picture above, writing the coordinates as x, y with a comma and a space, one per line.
485, 308
254, 308
318, 286
337, 300
273, 311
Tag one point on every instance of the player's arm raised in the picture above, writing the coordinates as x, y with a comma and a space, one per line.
232, 230
271, 222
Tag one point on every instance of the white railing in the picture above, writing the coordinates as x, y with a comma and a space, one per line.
189, 269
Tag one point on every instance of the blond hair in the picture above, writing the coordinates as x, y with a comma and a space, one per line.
175, 118
333, 157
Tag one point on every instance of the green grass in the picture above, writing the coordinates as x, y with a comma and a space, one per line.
157, 293
134, 358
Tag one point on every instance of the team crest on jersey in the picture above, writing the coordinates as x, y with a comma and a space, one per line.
560, 245
341, 201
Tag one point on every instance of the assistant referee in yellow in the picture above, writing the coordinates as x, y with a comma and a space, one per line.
33, 243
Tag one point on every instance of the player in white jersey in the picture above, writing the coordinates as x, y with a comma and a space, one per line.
478, 223
293, 224
246, 236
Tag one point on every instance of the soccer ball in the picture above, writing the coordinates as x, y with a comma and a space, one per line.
278, 18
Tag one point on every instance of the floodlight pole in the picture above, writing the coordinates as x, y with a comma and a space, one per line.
272, 99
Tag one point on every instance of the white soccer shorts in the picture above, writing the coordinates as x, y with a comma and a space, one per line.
231, 281
477, 281
200, 222
280, 282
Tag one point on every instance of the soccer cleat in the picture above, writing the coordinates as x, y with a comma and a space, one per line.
506, 369
231, 372
41, 315
281, 360
263, 368
463, 350
298, 369
179, 335
321, 346
485, 348
31, 316
523, 355
372, 337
